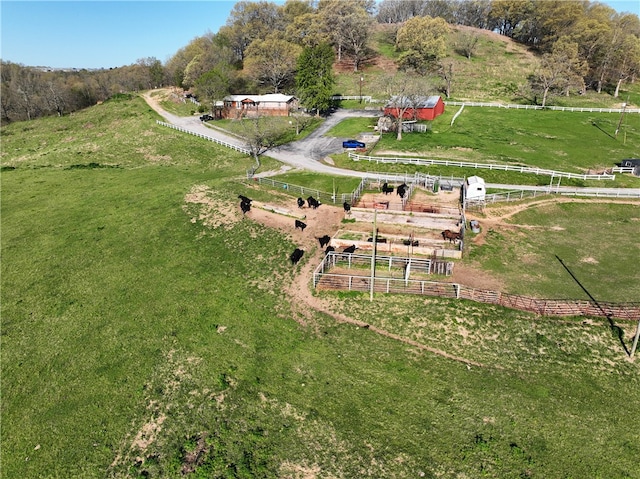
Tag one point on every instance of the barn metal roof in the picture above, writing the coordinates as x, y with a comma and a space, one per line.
426, 102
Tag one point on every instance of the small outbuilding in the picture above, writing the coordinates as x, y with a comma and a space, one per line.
474, 190
427, 108
630, 162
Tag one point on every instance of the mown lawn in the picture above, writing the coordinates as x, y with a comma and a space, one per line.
146, 333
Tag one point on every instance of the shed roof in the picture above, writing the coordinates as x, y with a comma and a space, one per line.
475, 180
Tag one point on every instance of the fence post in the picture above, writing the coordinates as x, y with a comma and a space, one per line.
635, 341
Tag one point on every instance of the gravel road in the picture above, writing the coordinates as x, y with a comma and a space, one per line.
307, 154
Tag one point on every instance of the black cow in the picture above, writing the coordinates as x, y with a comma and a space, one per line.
296, 255
301, 225
325, 240
300, 203
410, 243
244, 199
402, 190
386, 189
245, 207
347, 207
378, 239
313, 203
350, 249
329, 249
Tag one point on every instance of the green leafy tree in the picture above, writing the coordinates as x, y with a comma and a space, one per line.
508, 16
307, 30
272, 61
422, 41
249, 21
214, 85
314, 78
627, 62
348, 25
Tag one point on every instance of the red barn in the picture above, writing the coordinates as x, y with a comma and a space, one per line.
427, 109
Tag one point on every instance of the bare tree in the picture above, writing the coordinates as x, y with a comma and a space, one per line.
446, 72
54, 94
405, 92
261, 134
560, 69
25, 85
466, 43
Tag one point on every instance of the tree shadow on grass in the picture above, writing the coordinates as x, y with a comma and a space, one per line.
617, 330
606, 133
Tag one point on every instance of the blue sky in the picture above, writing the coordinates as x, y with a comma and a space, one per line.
105, 34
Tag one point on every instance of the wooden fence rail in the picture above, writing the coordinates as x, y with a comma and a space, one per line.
545, 307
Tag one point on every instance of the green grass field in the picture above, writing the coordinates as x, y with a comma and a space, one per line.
146, 332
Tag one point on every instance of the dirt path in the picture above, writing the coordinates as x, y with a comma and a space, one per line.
302, 301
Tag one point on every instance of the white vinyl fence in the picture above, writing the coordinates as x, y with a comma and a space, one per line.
486, 166
206, 137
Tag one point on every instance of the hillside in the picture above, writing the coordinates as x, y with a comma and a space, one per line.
499, 70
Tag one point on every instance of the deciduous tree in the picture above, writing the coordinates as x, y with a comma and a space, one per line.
272, 61
561, 69
405, 91
249, 21
214, 85
422, 41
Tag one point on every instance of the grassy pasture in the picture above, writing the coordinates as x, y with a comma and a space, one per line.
143, 317
566, 141
592, 239
563, 141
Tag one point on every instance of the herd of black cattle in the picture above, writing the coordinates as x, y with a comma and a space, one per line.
245, 206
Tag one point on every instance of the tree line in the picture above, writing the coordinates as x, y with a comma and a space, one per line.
290, 48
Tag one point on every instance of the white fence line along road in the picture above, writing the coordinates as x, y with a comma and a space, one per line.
486, 166
206, 137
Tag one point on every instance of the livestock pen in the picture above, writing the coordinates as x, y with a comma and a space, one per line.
351, 274
393, 268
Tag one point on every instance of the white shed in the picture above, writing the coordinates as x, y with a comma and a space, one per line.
474, 189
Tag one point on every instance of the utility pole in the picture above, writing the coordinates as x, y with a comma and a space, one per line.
361, 81
624, 107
